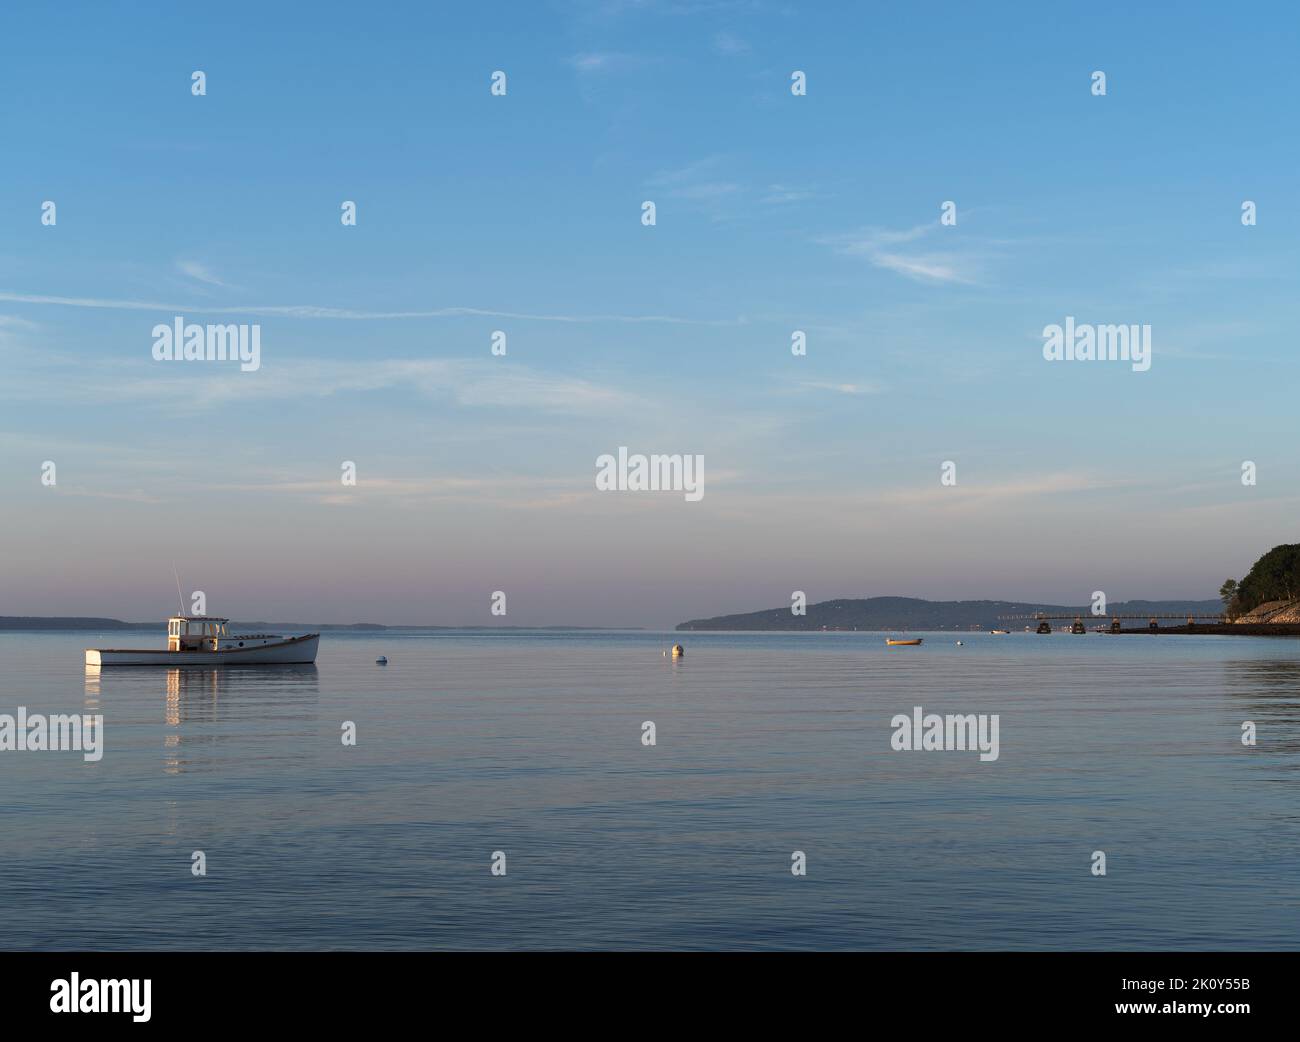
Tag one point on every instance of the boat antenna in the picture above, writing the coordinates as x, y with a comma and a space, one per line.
180, 598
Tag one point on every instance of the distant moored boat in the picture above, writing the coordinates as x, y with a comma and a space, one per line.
902, 643
202, 640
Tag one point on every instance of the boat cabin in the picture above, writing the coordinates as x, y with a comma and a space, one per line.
194, 632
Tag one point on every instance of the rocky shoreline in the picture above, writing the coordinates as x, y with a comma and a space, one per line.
1228, 629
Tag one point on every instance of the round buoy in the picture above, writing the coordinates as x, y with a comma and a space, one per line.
678, 651
959, 643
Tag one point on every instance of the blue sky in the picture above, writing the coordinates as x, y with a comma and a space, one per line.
522, 213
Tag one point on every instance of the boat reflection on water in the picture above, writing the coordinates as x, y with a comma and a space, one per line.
92, 689
248, 694
209, 714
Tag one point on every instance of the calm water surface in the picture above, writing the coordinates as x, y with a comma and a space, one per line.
530, 743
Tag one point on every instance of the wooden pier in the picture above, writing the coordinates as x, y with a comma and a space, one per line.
1191, 623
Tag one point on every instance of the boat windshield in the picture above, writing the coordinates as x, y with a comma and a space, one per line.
195, 628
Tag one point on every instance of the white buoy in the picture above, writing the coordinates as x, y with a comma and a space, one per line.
959, 643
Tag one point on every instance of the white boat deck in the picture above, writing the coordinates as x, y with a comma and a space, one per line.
197, 640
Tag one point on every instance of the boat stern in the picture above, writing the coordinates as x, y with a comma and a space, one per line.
93, 657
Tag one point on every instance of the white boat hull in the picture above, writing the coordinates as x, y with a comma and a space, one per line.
295, 651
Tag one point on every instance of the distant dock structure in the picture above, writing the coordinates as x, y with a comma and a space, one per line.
1077, 625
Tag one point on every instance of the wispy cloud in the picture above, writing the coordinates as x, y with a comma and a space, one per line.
315, 311
707, 181
476, 383
11, 328
701, 182
131, 496
885, 248
609, 10
929, 268
200, 272
700, 169
513, 490
864, 387
729, 44
779, 195
974, 494
705, 191
596, 62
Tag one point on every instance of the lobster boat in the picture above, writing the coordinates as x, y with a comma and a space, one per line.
203, 640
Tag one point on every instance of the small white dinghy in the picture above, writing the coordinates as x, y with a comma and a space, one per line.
202, 640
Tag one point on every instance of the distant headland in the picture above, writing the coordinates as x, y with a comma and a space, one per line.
914, 613
11, 623
1265, 602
